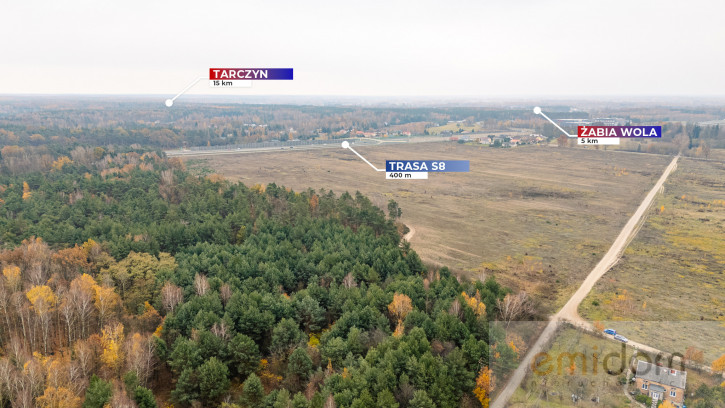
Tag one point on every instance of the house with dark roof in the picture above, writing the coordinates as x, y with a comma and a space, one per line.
661, 383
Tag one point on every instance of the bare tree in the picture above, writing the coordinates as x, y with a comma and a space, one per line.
682, 140
35, 376
6, 376
120, 398
140, 356
220, 330
23, 311
201, 285
330, 402
4, 302
349, 281
167, 187
36, 273
171, 296
562, 141
23, 392
515, 307
81, 297
83, 155
75, 377
455, 308
17, 351
226, 293
67, 311
85, 356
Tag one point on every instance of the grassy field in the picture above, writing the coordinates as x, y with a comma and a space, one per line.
672, 276
453, 127
538, 218
549, 386
594, 372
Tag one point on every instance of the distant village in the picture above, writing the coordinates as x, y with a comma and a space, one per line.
501, 140
461, 131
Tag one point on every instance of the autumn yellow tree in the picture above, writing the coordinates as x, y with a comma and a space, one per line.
718, 366
106, 301
150, 318
479, 308
516, 343
667, 404
112, 339
484, 386
43, 300
399, 308
624, 303
59, 397
12, 277
26, 191
60, 162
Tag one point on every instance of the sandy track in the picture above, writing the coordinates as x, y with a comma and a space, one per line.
570, 310
411, 232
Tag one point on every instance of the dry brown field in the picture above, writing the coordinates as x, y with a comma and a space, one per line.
536, 217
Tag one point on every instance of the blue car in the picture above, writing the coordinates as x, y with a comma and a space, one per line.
611, 331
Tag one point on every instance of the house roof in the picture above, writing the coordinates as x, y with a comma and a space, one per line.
662, 375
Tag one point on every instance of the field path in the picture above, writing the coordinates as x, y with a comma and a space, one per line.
411, 232
570, 309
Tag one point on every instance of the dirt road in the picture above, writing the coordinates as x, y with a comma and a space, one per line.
411, 232
569, 311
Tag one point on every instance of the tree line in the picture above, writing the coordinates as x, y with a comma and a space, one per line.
128, 281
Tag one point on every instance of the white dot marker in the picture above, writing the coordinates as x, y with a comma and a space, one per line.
169, 103
345, 144
537, 110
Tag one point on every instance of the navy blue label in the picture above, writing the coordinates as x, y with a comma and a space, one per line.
427, 165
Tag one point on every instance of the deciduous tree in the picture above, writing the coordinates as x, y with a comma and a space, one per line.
171, 296
107, 302
81, 293
43, 301
140, 356
399, 308
718, 366
484, 386
694, 354
514, 307
58, 398
112, 340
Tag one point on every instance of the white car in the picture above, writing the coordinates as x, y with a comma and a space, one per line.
621, 338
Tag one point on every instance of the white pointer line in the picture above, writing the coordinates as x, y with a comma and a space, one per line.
170, 102
346, 145
538, 111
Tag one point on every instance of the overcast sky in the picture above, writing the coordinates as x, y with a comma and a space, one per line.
391, 47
